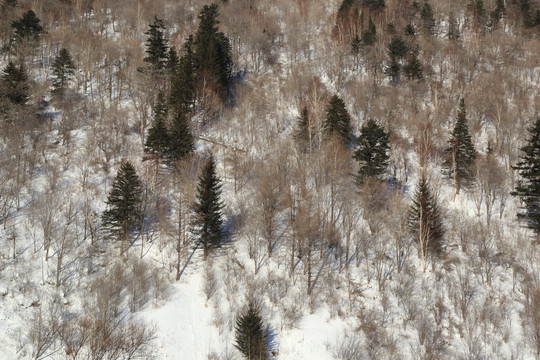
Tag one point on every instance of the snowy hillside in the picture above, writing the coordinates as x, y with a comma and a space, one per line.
396, 238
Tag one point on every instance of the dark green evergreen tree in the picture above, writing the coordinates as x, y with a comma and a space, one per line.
528, 188
181, 142
370, 34
27, 28
338, 120
212, 50
158, 141
461, 153
172, 60
123, 212
208, 220
372, 153
156, 46
250, 334
413, 69
425, 221
304, 131
14, 84
62, 70
393, 70
409, 30
397, 48
182, 92
428, 20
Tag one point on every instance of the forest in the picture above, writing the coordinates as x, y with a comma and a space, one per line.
269, 179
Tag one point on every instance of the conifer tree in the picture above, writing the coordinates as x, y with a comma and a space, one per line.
461, 153
338, 120
413, 69
372, 152
208, 218
172, 60
158, 141
250, 335
156, 46
425, 222
180, 139
428, 21
123, 205
62, 70
304, 131
212, 50
528, 188
27, 28
397, 49
182, 93
14, 84
370, 35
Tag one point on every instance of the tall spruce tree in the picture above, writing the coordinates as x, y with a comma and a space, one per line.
212, 50
428, 20
413, 69
208, 220
460, 154
123, 213
338, 120
425, 222
370, 34
156, 46
304, 131
158, 140
14, 84
397, 49
528, 188
26, 29
250, 335
180, 139
182, 94
62, 71
372, 153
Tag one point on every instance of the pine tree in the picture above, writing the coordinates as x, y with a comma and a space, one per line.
250, 335
182, 93
304, 131
62, 70
372, 152
397, 48
156, 46
180, 140
413, 69
428, 21
338, 120
425, 222
27, 28
208, 218
158, 141
370, 35
528, 188
15, 84
461, 153
172, 60
393, 70
212, 50
123, 205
